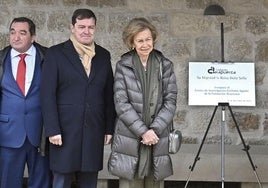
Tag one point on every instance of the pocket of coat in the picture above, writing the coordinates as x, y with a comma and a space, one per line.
4, 118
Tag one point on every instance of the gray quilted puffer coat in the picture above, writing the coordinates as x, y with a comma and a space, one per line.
124, 158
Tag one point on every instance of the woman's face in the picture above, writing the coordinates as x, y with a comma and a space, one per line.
143, 43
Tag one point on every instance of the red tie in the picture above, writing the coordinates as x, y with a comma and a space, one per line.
21, 73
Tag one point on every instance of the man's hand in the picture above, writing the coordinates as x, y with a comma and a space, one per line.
56, 140
107, 139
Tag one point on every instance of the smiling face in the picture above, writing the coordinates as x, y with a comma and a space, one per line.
84, 30
143, 43
20, 37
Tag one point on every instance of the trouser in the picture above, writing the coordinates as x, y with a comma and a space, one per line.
13, 161
147, 182
83, 179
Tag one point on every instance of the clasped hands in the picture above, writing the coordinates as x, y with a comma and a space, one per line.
149, 138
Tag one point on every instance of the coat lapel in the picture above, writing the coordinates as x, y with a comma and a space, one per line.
97, 63
95, 66
37, 72
73, 57
14, 88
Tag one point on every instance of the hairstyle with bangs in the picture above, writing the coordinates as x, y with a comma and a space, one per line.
136, 26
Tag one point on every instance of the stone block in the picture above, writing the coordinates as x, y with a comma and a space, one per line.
112, 3
174, 47
239, 49
244, 6
261, 53
172, 4
208, 48
59, 21
43, 2
4, 39
256, 25
144, 6
92, 3
245, 121
185, 24
72, 2
38, 17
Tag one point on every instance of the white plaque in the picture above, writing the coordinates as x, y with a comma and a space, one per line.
213, 83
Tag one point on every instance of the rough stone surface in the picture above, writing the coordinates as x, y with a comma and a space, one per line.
72, 2
38, 3
59, 21
9, 2
188, 24
262, 50
265, 124
239, 49
208, 49
112, 3
92, 3
261, 70
256, 25
172, 4
245, 121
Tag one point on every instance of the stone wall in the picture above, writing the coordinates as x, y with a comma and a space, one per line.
185, 35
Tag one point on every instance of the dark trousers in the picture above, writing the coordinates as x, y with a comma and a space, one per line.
12, 165
147, 182
83, 179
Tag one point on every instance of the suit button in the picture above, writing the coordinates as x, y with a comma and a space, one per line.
151, 104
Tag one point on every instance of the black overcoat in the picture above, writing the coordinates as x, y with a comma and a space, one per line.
78, 107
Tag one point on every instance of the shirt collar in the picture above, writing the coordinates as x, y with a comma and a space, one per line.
29, 52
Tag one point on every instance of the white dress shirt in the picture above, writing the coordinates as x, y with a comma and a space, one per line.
30, 64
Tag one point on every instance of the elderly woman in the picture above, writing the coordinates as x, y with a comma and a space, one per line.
145, 94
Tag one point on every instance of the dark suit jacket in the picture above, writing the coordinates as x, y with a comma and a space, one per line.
20, 115
78, 107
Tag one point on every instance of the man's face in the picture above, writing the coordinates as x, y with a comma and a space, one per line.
84, 30
19, 37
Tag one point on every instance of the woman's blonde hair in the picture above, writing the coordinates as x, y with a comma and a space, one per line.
136, 26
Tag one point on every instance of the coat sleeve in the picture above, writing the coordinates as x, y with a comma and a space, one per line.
48, 94
165, 115
125, 111
109, 107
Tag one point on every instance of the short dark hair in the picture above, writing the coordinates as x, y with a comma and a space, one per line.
81, 14
24, 19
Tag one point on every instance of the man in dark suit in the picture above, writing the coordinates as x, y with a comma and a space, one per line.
20, 108
77, 104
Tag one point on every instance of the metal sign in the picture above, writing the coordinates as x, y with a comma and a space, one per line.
213, 83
